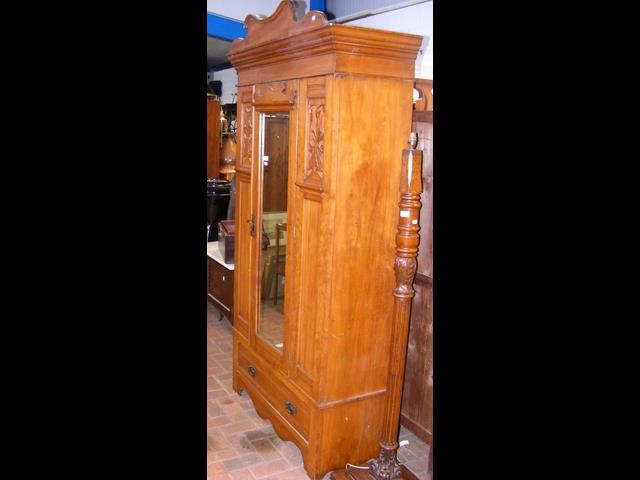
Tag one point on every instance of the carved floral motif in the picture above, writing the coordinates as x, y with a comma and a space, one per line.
405, 271
316, 141
247, 135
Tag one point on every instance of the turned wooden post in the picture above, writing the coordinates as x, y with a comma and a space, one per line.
407, 240
386, 466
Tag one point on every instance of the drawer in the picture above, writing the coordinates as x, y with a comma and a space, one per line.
221, 283
290, 406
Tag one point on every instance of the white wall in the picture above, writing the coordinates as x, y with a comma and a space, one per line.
229, 78
341, 8
417, 19
239, 9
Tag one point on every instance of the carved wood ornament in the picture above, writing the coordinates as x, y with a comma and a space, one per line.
275, 93
405, 269
247, 135
308, 45
316, 141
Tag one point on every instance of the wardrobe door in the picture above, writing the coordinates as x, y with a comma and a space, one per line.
313, 233
276, 123
244, 214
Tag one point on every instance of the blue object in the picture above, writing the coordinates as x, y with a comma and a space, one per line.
224, 28
318, 5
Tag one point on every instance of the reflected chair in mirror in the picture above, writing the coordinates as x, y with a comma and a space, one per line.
280, 260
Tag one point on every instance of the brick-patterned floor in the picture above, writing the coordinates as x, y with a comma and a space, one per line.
243, 446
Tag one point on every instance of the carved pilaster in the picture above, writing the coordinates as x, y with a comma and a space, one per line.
314, 176
247, 134
315, 158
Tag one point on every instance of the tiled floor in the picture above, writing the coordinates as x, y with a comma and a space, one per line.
243, 446
415, 455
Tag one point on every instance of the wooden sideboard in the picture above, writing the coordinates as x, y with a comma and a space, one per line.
219, 282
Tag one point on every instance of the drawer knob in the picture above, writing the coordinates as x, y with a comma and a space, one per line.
290, 407
223, 278
252, 370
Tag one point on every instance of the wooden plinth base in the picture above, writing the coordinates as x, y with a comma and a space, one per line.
358, 474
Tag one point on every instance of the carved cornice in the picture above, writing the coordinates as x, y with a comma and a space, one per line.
282, 37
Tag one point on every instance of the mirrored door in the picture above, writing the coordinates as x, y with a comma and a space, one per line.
274, 162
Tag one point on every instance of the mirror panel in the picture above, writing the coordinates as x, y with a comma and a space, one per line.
274, 155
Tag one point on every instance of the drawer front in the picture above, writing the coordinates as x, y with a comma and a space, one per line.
221, 283
292, 408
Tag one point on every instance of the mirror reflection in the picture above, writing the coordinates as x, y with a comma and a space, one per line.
274, 153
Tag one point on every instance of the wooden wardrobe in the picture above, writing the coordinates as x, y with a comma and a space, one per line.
315, 360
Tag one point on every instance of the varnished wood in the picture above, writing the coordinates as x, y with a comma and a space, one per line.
285, 21
220, 288
213, 138
348, 92
386, 466
279, 48
417, 400
407, 240
362, 473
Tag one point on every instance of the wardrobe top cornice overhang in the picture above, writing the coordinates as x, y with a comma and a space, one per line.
318, 47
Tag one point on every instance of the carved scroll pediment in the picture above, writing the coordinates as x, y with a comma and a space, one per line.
287, 20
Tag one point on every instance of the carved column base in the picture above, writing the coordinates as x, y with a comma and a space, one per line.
385, 467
